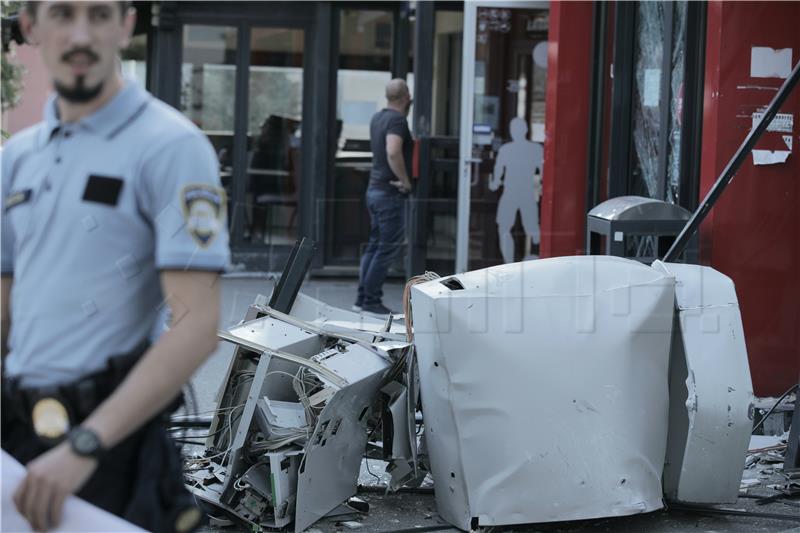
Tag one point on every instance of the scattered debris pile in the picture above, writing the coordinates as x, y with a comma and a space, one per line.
765, 467
293, 418
551, 390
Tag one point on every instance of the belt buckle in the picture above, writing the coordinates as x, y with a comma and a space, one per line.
50, 418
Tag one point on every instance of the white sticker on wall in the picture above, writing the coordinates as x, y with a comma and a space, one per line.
783, 122
619, 236
788, 140
651, 95
766, 62
770, 157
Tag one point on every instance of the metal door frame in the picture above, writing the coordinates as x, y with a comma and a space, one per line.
467, 113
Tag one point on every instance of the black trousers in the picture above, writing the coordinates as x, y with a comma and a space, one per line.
140, 479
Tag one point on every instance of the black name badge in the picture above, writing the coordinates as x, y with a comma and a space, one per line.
103, 189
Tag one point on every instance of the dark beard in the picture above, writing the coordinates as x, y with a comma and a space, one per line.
80, 94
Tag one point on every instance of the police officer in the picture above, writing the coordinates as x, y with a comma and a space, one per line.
112, 211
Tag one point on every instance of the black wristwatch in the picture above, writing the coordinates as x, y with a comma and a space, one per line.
86, 443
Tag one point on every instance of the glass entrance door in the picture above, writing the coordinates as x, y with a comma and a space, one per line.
502, 132
364, 69
258, 139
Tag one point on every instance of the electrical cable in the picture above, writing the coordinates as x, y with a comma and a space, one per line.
235, 417
223, 454
764, 417
415, 280
366, 461
187, 441
189, 423
208, 412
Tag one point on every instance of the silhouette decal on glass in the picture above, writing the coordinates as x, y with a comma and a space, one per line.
517, 169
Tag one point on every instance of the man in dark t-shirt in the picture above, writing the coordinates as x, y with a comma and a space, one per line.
389, 185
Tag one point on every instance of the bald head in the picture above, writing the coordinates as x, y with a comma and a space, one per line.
396, 91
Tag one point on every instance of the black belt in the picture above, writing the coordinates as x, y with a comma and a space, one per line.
80, 398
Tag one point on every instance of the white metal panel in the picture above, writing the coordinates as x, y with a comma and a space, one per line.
710, 389
341, 321
544, 388
278, 335
328, 474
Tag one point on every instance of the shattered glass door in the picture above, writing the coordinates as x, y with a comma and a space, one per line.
657, 104
676, 102
656, 108
647, 99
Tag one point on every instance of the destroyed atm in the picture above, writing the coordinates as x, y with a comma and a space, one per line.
553, 390
302, 394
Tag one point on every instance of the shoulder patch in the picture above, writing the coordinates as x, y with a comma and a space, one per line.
203, 211
16, 198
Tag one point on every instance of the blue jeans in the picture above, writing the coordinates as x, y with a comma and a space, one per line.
387, 229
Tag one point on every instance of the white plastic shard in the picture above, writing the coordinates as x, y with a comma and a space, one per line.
710, 389
544, 389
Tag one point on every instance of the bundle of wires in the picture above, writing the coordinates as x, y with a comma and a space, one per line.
422, 278
280, 437
304, 384
232, 415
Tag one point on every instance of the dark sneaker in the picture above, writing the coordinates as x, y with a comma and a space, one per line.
376, 309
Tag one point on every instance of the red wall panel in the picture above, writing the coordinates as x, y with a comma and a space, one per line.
753, 233
563, 218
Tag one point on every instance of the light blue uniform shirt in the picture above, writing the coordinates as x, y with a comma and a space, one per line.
92, 212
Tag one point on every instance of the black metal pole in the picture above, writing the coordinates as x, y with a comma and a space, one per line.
294, 273
733, 165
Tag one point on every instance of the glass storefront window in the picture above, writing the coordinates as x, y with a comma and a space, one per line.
445, 120
134, 60
365, 46
364, 69
447, 73
208, 86
274, 153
